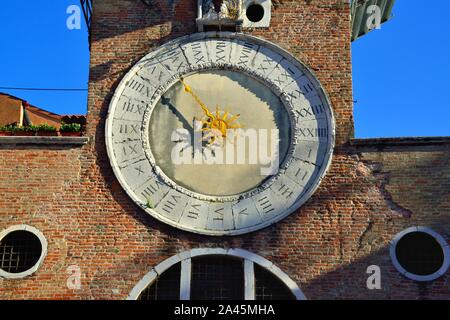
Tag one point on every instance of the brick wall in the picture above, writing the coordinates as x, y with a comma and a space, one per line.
72, 196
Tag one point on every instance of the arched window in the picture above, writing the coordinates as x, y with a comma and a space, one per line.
216, 274
269, 287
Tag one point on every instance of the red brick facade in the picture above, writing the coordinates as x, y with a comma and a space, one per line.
372, 191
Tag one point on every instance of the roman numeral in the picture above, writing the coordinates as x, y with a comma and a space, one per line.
219, 216
321, 132
304, 112
139, 170
295, 94
265, 64
285, 191
198, 53
318, 109
307, 88
311, 133
283, 77
131, 148
194, 211
150, 190
266, 205
243, 212
314, 110
220, 49
262, 68
180, 65
129, 128
245, 54
161, 73
138, 86
169, 205
133, 108
298, 173
173, 61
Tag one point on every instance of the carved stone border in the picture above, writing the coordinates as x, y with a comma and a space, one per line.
185, 257
232, 36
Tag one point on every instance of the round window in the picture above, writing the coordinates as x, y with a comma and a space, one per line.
21, 250
255, 12
420, 254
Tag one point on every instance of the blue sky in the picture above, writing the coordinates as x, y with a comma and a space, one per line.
400, 73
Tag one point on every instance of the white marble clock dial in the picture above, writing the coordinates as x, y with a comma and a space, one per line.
239, 82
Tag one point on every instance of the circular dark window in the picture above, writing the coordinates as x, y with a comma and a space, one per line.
255, 12
419, 253
20, 250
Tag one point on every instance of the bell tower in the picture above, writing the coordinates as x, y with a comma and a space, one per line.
318, 33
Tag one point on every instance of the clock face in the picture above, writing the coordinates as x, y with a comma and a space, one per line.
219, 134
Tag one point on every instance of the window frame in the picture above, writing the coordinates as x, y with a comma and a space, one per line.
44, 248
443, 243
249, 259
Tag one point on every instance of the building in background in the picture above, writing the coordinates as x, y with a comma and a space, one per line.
16, 111
117, 218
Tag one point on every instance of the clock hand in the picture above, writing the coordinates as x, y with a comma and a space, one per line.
197, 99
216, 123
166, 101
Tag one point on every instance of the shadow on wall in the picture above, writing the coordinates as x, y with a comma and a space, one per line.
347, 244
112, 21
110, 17
349, 282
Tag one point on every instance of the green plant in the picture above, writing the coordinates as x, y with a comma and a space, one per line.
70, 127
149, 204
14, 128
8, 128
45, 128
31, 128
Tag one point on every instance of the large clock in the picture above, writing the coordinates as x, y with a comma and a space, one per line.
220, 133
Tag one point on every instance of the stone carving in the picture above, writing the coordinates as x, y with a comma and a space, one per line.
224, 13
131, 153
208, 10
229, 9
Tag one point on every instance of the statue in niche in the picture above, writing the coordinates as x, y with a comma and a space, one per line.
229, 9
208, 9
223, 13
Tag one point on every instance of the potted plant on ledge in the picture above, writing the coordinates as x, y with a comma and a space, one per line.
46, 130
6, 131
70, 130
24, 131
